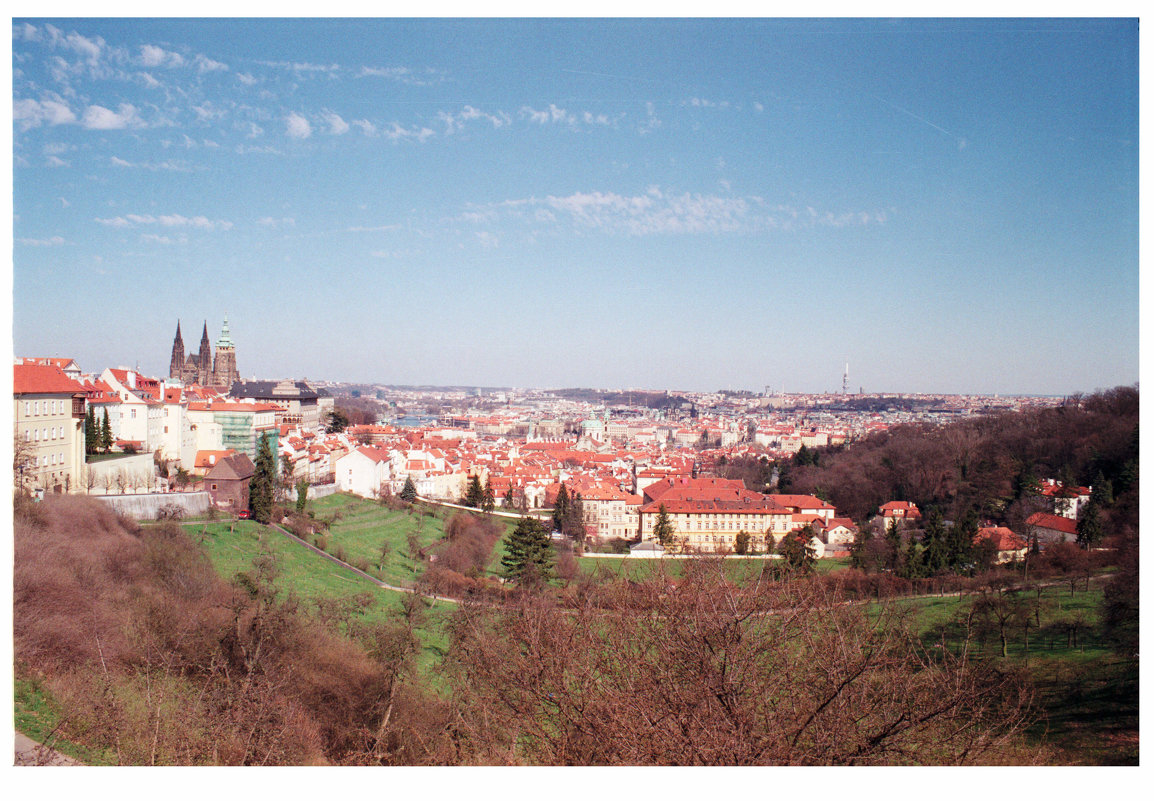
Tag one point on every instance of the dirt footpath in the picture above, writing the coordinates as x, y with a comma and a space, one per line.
30, 752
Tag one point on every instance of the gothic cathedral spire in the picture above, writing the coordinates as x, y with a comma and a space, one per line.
176, 364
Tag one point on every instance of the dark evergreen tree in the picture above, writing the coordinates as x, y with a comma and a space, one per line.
803, 457
741, 543
409, 491
509, 501
860, 547
560, 508
1102, 492
487, 499
934, 543
912, 564
106, 433
796, 549
662, 527
528, 558
474, 495
338, 421
91, 432
894, 541
262, 486
1090, 530
573, 524
960, 542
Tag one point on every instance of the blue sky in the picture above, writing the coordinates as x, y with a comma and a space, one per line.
951, 206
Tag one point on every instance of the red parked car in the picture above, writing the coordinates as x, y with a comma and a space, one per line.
243, 514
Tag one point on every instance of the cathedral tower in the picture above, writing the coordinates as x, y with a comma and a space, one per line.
176, 364
224, 372
204, 365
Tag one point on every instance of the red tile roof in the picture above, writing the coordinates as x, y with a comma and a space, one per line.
42, 379
1055, 522
800, 502
1002, 537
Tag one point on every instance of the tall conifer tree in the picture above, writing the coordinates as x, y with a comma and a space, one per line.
262, 486
528, 553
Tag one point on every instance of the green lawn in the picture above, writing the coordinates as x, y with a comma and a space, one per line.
361, 526
37, 715
232, 546
739, 571
1086, 696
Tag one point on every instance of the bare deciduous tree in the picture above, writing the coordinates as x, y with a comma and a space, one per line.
704, 673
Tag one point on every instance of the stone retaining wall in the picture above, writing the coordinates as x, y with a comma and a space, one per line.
145, 507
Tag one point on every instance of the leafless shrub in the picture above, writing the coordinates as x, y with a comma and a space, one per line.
699, 672
468, 546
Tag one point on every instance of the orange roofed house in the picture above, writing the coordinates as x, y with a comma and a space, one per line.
1006, 545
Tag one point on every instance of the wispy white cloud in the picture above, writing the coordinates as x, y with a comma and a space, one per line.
657, 212
395, 132
701, 102
360, 229
26, 32
51, 241
161, 239
99, 118
162, 166
113, 222
153, 56
29, 114
263, 149
455, 122
167, 221
554, 114
394, 254
651, 123
88, 49
205, 64
206, 112
302, 67
276, 222
297, 127
246, 79
337, 126
426, 77
56, 161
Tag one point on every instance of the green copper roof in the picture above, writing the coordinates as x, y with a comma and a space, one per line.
225, 340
